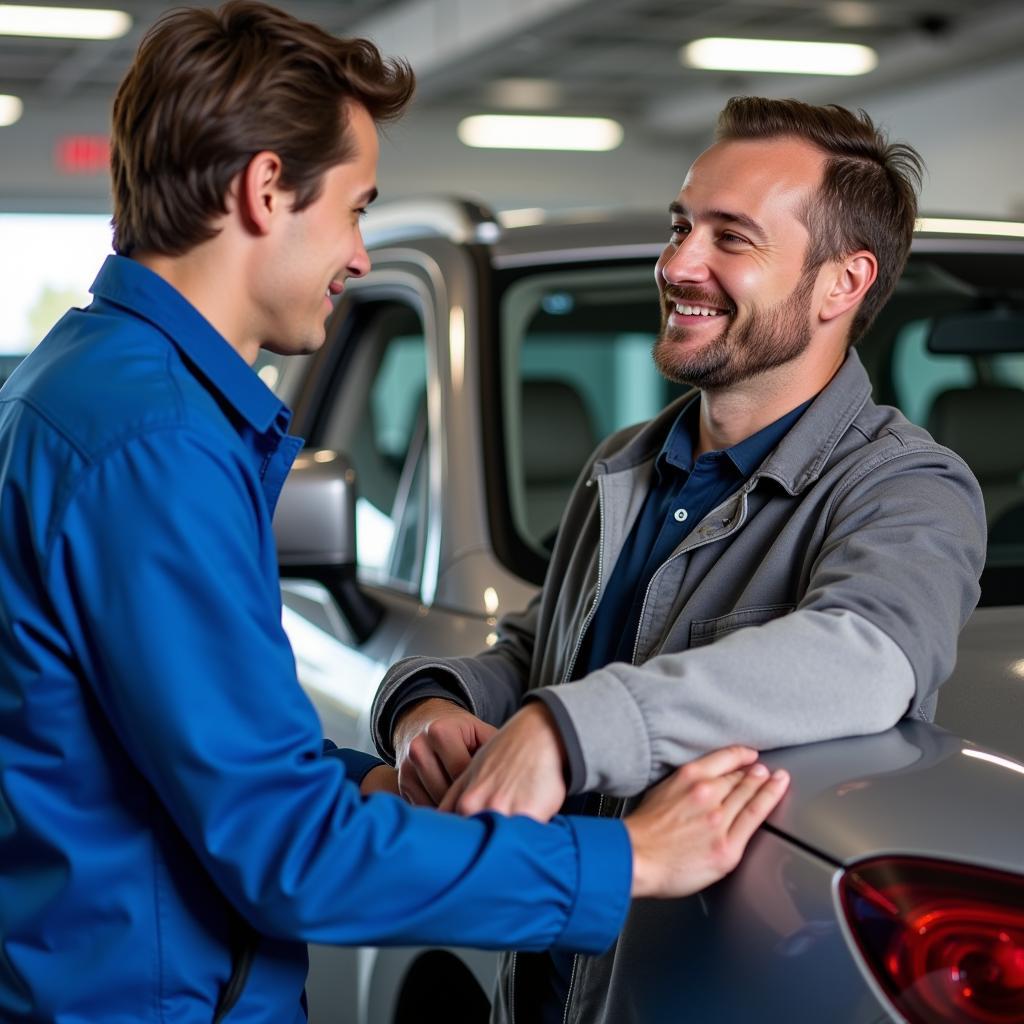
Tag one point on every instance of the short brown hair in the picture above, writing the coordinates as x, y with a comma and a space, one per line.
868, 195
209, 89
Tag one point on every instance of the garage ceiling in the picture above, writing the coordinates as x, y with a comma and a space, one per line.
609, 57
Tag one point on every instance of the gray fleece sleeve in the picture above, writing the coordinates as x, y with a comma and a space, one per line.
872, 639
805, 677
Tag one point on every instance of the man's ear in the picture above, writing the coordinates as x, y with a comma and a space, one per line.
849, 281
258, 193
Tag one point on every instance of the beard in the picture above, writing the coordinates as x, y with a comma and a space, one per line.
770, 337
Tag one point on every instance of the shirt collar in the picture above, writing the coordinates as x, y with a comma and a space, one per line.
129, 284
746, 455
802, 454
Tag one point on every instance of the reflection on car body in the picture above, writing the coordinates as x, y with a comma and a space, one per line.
466, 381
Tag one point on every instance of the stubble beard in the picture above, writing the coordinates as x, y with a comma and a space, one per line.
769, 338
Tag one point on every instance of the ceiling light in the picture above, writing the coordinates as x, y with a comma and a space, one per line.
10, 110
508, 131
63, 22
524, 94
779, 55
961, 226
854, 13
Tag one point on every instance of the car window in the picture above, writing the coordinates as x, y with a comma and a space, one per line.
380, 421
576, 366
967, 390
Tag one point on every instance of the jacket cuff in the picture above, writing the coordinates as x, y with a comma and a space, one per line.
605, 879
614, 745
576, 770
419, 686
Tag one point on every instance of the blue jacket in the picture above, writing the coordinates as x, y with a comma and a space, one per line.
161, 771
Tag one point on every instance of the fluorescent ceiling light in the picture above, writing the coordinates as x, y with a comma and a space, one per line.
854, 13
63, 22
524, 94
509, 131
778, 55
10, 110
961, 226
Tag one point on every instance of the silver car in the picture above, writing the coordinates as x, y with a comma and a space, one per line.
462, 387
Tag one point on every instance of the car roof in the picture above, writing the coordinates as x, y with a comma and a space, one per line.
595, 230
526, 237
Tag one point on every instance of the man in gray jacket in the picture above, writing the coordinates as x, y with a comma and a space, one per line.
772, 560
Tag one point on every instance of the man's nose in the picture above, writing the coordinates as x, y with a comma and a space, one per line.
686, 261
359, 264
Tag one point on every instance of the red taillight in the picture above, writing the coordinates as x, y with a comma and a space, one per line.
945, 941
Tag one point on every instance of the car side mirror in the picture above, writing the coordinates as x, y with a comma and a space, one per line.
315, 530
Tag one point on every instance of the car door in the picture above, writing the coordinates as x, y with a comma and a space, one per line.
366, 395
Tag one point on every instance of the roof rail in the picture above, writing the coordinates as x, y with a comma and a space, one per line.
457, 220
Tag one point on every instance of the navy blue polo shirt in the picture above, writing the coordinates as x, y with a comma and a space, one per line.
683, 491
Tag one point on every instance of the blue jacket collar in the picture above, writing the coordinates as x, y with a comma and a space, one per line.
134, 287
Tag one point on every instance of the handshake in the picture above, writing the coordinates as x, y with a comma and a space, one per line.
689, 831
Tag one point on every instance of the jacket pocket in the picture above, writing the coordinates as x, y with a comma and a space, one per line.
706, 631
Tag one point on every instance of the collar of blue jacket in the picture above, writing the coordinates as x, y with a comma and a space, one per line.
139, 291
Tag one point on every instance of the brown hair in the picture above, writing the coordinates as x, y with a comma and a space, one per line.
210, 89
868, 195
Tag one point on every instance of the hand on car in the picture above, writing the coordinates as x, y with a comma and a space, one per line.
692, 828
434, 742
521, 770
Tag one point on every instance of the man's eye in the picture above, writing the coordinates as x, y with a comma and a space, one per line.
680, 229
728, 236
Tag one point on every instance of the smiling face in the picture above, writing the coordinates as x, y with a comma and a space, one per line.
736, 300
317, 249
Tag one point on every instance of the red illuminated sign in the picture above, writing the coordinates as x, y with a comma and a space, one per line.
82, 154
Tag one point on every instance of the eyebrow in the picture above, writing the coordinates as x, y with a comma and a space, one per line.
733, 218
367, 197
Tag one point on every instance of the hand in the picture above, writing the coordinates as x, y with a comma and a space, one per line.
693, 827
520, 771
434, 742
382, 779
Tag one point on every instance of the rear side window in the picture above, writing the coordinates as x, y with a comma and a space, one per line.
380, 422
946, 353
575, 366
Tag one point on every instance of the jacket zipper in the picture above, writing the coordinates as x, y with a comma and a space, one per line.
576, 959
512, 991
568, 673
600, 583
568, 994
565, 678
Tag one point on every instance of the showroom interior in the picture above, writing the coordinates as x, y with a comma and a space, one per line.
505, 329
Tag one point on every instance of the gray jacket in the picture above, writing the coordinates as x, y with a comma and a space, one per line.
823, 599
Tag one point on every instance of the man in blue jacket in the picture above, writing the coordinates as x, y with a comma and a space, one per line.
171, 829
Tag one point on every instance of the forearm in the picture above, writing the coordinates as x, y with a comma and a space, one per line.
806, 677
